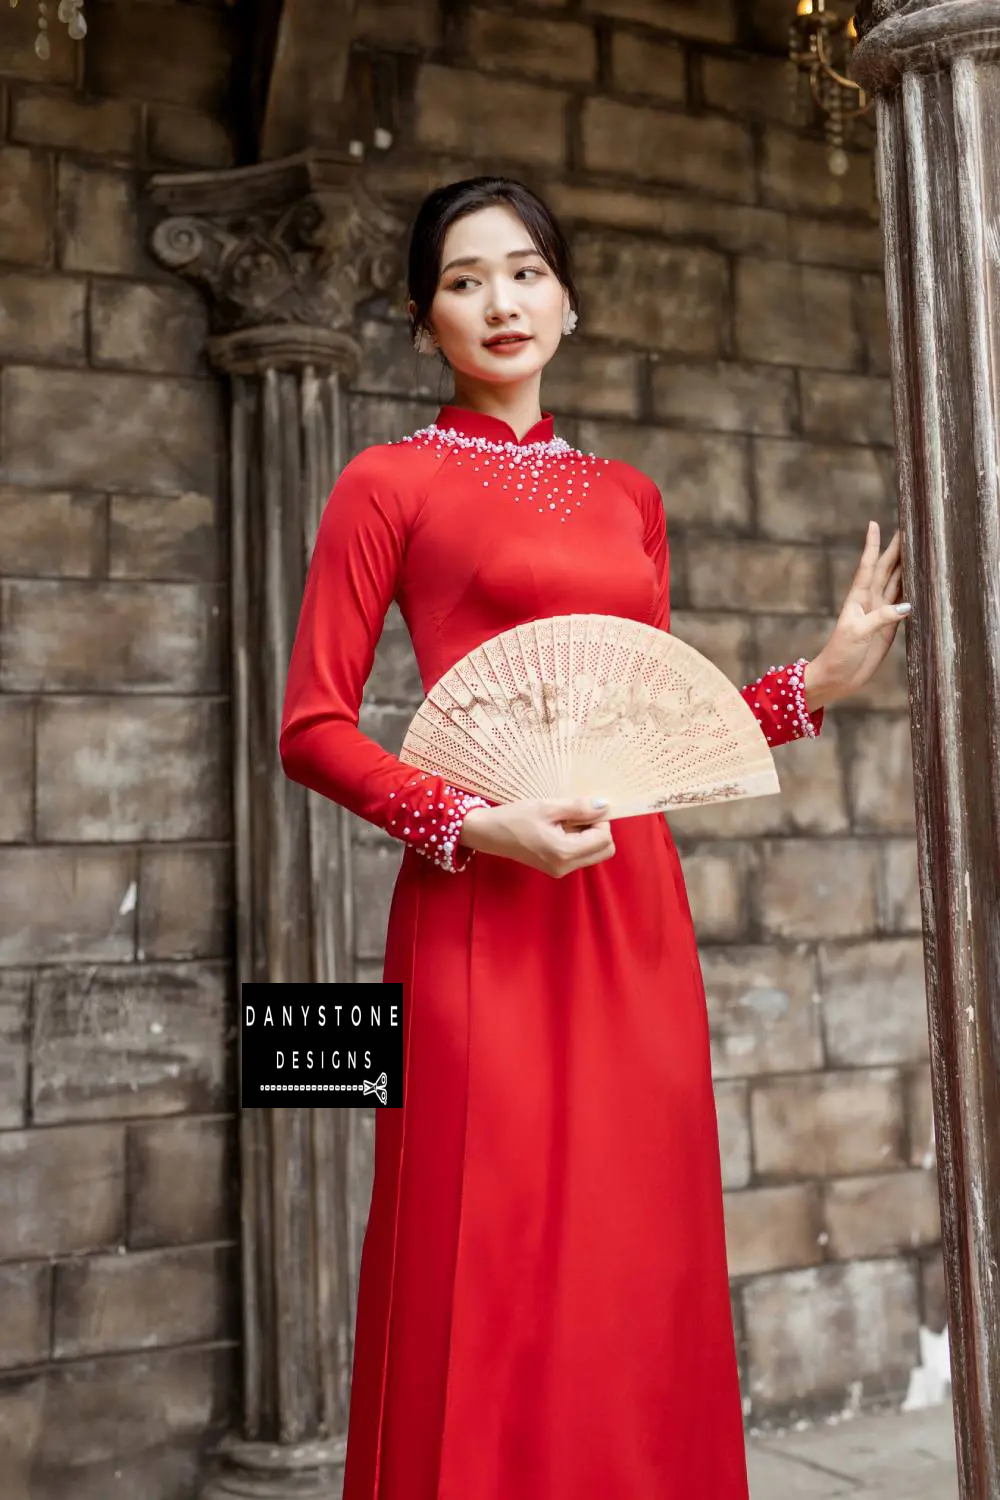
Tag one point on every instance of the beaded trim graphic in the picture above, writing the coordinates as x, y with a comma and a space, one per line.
788, 682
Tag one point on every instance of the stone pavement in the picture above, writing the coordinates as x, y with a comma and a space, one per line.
888, 1456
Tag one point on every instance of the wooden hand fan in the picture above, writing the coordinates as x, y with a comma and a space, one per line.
591, 706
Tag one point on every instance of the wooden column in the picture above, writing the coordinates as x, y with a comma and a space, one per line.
286, 252
935, 69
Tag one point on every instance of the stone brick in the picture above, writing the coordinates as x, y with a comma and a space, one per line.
933, 1295
66, 905
564, 51
157, 329
101, 127
704, 20
148, 768
394, 675
772, 1229
881, 1215
16, 770
811, 887
644, 65
666, 297
25, 1315
919, 1101
165, 537
795, 315
851, 408
99, 226
811, 490
827, 1124
704, 151
26, 206
762, 1011
399, 23
874, 1008
185, 903
725, 396
384, 724
372, 420
18, 58
61, 1191
107, 1304
182, 1182
755, 576
732, 227
826, 242
375, 871
391, 366
899, 902
130, 1040
703, 477
874, 324
54, 535
15, 1003
751, 87
188, 138
458, 110
731, 1107
767, 21
70, 636
42, 318
593, 381
724, 639
795, 175
187, 59
715, 881
813, 1333
108, 431
880, 773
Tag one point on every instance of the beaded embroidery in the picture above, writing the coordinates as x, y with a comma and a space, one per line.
433, 828
802, 726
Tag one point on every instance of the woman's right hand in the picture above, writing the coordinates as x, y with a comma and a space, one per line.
556, 837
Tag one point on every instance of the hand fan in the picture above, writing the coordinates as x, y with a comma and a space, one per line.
591, 706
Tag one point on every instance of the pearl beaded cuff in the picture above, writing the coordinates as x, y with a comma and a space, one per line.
428, 816
778, 698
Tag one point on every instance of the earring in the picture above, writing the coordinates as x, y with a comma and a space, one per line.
569, 322
424, 341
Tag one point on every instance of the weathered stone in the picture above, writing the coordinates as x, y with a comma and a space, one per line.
751, 87
458, 110
564, 51
25, 1316
813, 1333
703, 20
99, 226
762, 1011
42, 318
725, 396
826, 242
772, 1229
391, 366
55, 535
157, 329
145, 768
182, 1182
666, 297
715, 881
70, 636
767, 21
394, 677
827, 1124
933, 1295
646, 65
99, 127
108, 431
61, 1191
375, 871
702, 151
874, 1008
899, 899
758, 577
704, 477
165, 537
19, 60
881, 1215
732, 1111
874, 324
400, 23
26, 221
880, 773
795, 315
15, 1002
795, 174
129, 1041
733, 227
107, 1304
16, 770
188, 138
62, 905
724, 639
851, 408
807, 491
187, 60
384, 724
374, 420
919, 1100
593, 381
185, 901
812, 887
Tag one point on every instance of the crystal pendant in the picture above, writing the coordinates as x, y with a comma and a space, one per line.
66, 11
42, 48
77, 26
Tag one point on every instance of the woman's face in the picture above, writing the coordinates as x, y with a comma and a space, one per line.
498, 311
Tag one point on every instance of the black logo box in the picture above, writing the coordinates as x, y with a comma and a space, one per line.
329, 1046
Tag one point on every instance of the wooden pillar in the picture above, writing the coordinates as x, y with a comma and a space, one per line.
286, 252
934, 66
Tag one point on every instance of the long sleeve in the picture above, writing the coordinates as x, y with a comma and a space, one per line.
351, 581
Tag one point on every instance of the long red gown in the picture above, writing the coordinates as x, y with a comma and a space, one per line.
543, 1306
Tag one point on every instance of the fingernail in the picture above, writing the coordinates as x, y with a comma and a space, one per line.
903, 609
600, 801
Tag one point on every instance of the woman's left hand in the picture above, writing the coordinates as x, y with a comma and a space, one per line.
865, 629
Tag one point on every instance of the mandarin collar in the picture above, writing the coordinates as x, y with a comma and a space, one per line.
477, 424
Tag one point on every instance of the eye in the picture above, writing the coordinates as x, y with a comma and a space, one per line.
461, 282
531, 271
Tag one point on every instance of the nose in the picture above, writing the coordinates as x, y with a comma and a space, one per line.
502, 304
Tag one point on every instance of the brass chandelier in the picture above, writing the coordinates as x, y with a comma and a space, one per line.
69, 12
820, 43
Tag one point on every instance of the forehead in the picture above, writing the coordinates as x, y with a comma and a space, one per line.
489, 233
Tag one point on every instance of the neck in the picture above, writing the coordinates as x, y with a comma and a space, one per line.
517, 404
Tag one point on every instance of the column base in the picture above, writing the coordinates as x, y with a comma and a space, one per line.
309, 1470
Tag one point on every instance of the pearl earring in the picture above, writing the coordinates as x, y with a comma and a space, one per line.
569, 322
424, 341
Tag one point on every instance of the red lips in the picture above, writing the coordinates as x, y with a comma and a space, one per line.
507, 338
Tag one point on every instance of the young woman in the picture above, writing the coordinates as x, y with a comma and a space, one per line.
544, 1305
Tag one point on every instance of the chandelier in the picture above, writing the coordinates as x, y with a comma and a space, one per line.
70, 12
820, 43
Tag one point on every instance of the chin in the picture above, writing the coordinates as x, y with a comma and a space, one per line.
501, 371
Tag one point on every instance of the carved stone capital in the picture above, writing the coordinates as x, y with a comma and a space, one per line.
920, 36
286, 252
870, 12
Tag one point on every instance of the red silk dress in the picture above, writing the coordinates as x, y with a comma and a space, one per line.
543, 1308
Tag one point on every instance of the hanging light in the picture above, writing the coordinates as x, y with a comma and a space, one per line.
820, 43
69, 12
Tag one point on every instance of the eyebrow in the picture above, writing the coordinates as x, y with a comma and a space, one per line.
475, 260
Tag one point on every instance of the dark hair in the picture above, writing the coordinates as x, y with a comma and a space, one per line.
445, 205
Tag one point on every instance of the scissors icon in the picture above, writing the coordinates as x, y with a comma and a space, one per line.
378, 1088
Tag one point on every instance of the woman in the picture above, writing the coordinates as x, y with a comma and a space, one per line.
543, 1305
